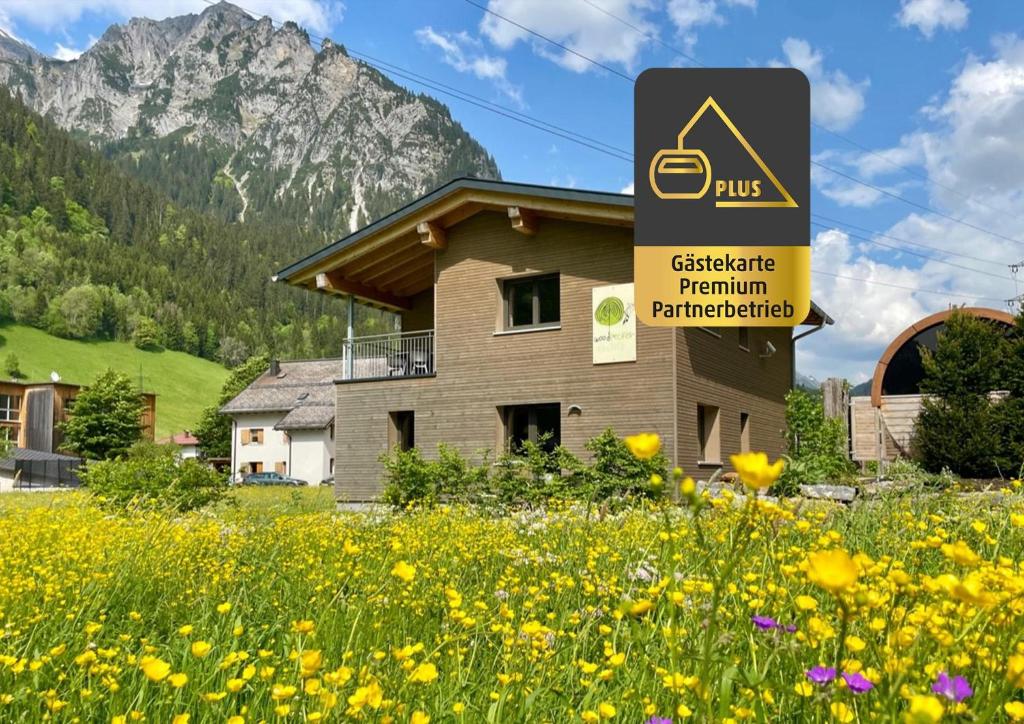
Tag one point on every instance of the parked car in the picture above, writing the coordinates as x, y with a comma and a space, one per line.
270, 479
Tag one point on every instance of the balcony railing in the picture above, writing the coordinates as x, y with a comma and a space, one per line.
401, 354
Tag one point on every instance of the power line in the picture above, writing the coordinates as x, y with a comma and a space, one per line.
914, 253
815, 124
841, 223
850, 177
906, 288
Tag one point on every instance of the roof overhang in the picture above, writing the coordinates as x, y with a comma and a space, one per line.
388, 262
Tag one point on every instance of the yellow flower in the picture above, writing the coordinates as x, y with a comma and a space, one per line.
303, 626
960, 553
180, 719
855, 644
280, 692
310, 663
236, 719
200, 649
419, 717
458, 707
424, 673
1015, 710
590, 716
1018, 521
923, 710
155, 669
186, 629
370, 695
606, 710
687, 487
645, 445
841, 712
404, 571
177, 680
1015, 670
223, 608
803, 688
684, 711
755, 471
806, 603
640, 608
833, 570
235, 685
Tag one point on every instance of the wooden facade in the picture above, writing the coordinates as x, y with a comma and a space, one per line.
482, 369
43, 406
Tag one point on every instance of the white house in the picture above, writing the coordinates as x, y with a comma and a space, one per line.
187, 444
284, 421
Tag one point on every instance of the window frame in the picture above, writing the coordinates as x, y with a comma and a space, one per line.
509, 284
11, 406
533, 431
709, 435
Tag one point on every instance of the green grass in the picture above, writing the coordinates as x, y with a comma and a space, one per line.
184, 384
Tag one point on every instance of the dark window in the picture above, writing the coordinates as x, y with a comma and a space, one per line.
531, 302
745, 338
744, 432
403, 429
708, 434
536, 423
9, 406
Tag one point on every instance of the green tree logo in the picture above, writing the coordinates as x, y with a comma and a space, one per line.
610, 311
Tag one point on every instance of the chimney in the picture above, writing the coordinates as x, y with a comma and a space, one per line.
275, 367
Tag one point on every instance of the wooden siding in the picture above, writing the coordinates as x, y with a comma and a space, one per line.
895, 419
479, 371
713, 370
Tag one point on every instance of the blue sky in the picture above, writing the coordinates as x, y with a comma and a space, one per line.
933, 89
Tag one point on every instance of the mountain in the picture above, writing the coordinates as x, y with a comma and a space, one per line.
806, 382
228, 114
89, 252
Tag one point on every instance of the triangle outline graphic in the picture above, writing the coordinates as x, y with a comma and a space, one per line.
787, 199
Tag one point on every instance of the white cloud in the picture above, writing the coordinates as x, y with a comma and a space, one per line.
971, 148
64, 52
463, 52
836, 100
316, 15
627, 189
577, 25
930, 15
688, 14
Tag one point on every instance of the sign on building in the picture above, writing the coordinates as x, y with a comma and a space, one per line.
614, 318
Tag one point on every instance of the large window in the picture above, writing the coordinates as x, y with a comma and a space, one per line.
531, 302
9, 406
536, 423
708, 435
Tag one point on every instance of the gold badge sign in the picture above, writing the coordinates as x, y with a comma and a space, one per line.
722, 195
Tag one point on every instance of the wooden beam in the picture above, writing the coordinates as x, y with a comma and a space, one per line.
415, 286
523, 220
431, 235
391, 280
334, 283
422, 255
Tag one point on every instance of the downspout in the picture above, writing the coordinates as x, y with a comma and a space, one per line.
349, 334
792, 361
234, 447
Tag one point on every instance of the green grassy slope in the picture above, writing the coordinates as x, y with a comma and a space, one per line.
184, 384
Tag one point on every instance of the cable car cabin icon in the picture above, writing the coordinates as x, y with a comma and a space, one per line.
678, 173
685, 173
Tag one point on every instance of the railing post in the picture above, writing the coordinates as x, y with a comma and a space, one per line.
350, 334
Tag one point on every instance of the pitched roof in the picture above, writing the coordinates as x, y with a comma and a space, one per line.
299, 383
307, 417
21, 454
184, 438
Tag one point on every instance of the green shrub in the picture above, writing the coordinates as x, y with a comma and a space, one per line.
816, 444
618, 473
151, 476
537, 472
411, 479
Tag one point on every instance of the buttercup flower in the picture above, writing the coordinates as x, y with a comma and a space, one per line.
834, 570
755, 471
404, 571
923, 710
644, 445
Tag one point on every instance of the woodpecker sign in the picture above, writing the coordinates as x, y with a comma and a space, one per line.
722, 194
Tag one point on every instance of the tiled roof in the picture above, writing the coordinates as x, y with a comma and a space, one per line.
24, 454
302, 383
184, 438
307, 417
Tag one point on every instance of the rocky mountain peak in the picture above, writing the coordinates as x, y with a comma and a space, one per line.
282, 123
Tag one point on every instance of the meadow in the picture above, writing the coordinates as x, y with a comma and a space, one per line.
274, 607
184, 384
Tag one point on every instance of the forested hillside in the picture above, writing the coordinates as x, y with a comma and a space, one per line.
88, 251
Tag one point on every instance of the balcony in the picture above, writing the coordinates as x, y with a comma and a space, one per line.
389, 356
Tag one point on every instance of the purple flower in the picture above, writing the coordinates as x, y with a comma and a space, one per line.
857, 683
956, 689
791, 628
658, 720
821, 674
764, 622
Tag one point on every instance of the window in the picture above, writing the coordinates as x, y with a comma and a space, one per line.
533, 423
253, 468
531, 302
330, 467
744, 333
9, 406
744, 432
403, 430
708, 435
252, 436
281, 467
